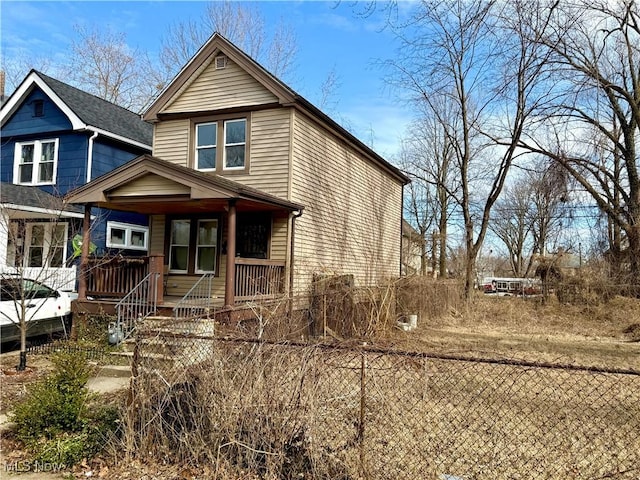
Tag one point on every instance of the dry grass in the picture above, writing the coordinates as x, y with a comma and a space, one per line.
283, 411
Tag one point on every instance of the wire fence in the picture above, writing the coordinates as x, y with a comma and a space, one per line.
350, 411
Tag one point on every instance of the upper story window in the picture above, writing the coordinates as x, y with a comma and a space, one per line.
221, 145
206, 142
38, 108
35, 162
125, 235
235, 142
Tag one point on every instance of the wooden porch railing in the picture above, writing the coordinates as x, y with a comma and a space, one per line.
258, 278
115, 276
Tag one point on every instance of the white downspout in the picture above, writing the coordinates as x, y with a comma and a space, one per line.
90, 156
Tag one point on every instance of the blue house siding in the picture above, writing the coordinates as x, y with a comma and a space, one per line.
23, 121
72, 159
108, 155
99, 230
20, 124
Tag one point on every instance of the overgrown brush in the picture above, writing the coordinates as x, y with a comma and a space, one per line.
251, 413
58, 421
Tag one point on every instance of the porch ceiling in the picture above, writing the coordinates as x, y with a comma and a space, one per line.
177, 205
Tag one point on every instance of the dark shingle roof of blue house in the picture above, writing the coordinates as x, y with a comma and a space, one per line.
100, 113
33, 197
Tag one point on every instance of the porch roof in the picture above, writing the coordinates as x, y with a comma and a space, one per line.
148, 184
32, 202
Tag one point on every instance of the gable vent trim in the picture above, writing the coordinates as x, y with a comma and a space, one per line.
221, 62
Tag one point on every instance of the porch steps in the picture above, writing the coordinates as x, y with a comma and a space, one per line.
166, 343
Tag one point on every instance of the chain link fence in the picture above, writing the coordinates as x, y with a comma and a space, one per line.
350, 411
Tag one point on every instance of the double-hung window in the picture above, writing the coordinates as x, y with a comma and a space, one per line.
35, 162
221, 145
202, 235
235, 142
44, 246
206, 142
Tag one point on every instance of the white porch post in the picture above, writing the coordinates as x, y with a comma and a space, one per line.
4, 236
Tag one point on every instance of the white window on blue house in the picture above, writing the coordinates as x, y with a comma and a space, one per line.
127, 236
35, 162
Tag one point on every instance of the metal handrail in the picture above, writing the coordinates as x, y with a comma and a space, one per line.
138, 304
197, 303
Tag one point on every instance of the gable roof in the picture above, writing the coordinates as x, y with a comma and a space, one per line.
201, 185
34, 199
84, 110
286, 96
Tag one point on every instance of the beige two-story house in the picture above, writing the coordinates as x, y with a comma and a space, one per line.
252, 185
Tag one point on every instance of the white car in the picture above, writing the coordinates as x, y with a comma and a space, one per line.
47, 310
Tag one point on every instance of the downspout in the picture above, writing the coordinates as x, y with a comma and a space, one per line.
90, 155
291, 253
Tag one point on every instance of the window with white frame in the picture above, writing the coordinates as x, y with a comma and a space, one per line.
206, 141
45, 244
221, 145
35, 162
206, 246
127, 236
235, 141
193, 245
179, 246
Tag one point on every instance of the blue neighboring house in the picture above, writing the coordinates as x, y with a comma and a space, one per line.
54, 138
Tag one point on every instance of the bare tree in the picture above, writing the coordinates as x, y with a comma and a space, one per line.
36, 270
427, 158
461, 52
241, 23
594, 53
102, 63
511, 224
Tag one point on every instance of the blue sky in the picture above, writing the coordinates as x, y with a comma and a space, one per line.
329, 36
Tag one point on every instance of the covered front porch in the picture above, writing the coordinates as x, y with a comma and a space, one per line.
206, 232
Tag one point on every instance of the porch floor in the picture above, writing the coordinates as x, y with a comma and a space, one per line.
108, 305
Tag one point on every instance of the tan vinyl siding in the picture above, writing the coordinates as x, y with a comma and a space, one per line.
171, 141
279, 236
351, 221
150, 185
269, 151
214, 89
156, 235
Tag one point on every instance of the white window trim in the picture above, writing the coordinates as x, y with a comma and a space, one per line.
37, 155
171, 245
215, 245
199, 147
47, 244
225, 144
128, 228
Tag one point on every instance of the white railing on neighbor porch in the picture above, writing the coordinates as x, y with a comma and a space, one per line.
60, 278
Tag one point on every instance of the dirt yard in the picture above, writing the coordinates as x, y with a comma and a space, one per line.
603, 336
